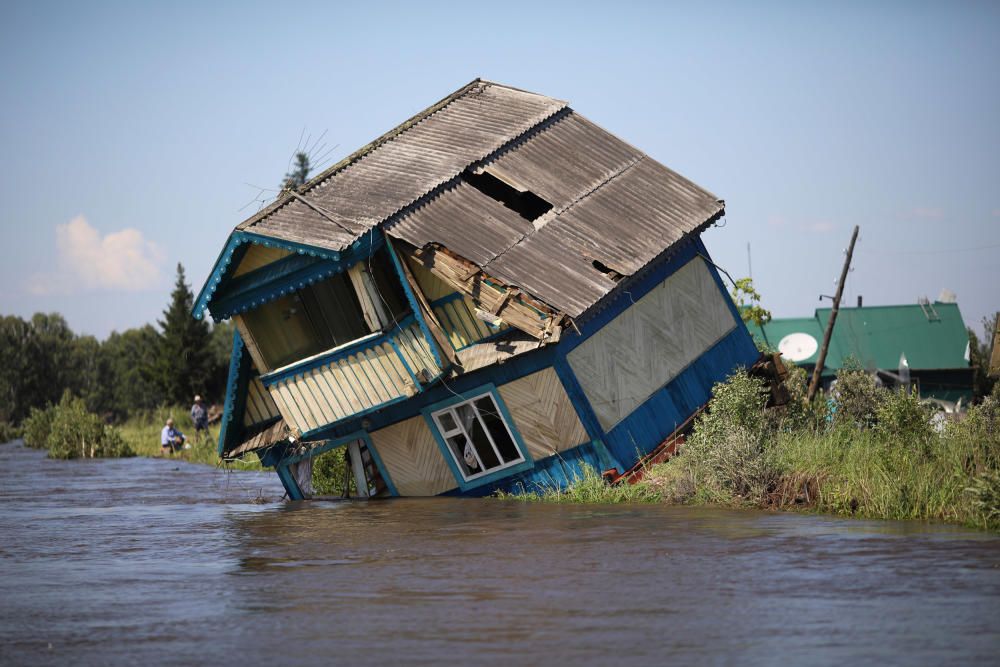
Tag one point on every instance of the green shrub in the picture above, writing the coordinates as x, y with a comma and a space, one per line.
36, 427
857, 397
903, 419
727, 454
984, 491
328, 474
588, 487
9, 432
799, 413
77, 433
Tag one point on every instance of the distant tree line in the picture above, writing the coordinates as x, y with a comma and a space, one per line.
138, 369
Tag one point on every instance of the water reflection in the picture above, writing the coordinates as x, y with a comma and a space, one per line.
131, 561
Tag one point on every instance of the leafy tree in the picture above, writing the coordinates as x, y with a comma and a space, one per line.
184, 362
16, 341
299, 175
747, 300
132, 356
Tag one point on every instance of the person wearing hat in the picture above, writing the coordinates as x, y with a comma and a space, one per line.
199, 415
171, 439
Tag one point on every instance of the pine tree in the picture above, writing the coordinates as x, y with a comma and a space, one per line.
299, 175
184, 362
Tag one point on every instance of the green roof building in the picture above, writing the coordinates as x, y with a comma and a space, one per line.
927, 340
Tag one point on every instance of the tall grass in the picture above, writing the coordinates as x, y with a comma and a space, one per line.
588, 487
865, 451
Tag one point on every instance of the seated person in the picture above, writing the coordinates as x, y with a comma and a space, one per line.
171, 440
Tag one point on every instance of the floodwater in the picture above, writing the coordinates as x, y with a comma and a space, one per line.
143, 561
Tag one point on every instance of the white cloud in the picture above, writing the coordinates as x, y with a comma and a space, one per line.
85, 260
821, 227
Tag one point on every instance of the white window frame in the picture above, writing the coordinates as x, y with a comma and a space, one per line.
452, 411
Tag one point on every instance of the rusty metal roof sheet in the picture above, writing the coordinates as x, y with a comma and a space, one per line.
428, 150
611, 204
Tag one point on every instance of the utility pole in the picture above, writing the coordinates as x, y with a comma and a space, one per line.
821, 359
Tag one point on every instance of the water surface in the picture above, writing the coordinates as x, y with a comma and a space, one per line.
156, 561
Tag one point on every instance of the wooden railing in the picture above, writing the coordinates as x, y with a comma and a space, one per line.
354, 379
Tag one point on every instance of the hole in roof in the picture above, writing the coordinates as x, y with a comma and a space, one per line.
526, 204
606, 270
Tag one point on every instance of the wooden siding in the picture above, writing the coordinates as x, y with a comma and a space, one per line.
258, 256
356, 383
412, 458
260, 406
543, 414
455, 311
433, 287
458, 319
650, 343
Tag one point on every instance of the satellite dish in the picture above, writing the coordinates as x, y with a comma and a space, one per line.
798, 346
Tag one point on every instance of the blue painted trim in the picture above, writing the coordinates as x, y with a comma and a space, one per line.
337, 353
449, 457
320, 432
554, 472
414, 304
359, 249
579, 401
283, 465
382, 470
234, 367
288, 481
285, 276
237, 386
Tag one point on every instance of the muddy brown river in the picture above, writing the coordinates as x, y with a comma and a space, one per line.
146, 561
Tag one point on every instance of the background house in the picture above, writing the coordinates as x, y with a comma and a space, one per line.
926, 341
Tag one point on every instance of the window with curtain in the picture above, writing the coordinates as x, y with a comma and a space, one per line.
477, 436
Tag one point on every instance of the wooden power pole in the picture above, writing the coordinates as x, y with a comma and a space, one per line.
821, 359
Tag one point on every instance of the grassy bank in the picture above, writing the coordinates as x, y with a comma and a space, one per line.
68, 431
142, 432
866, 452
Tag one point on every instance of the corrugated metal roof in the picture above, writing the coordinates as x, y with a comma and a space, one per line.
610, 203
345, 201
877, 335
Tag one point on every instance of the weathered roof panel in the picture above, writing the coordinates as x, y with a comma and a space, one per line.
611, 204
468, 222
405, 165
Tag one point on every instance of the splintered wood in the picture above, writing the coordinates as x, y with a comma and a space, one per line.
490, 295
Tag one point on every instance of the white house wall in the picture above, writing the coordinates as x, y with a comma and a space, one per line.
649, 344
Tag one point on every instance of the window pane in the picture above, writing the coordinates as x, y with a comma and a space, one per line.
467, 415
494, 423
447, 422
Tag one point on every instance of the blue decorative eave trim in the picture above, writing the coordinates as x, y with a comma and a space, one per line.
219, 278
232, 391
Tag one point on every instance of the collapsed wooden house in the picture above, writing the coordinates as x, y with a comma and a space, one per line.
489, 296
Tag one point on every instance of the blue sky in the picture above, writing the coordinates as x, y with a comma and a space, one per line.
130, 131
